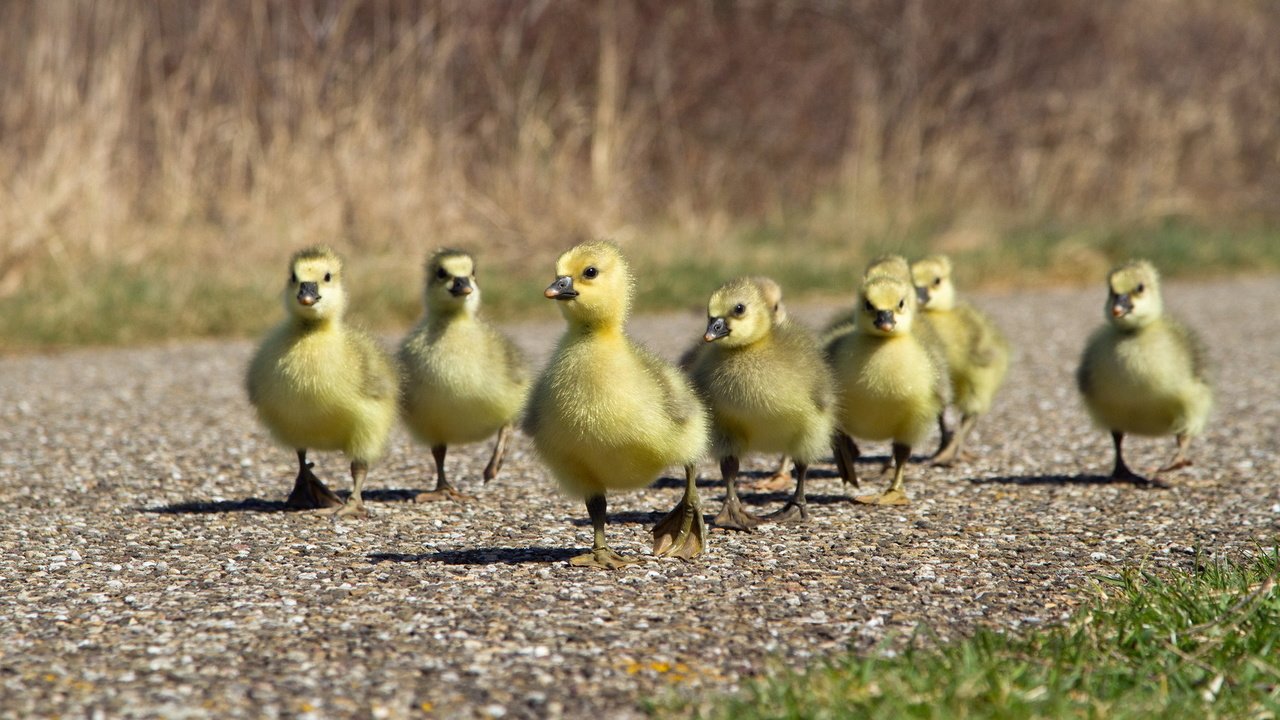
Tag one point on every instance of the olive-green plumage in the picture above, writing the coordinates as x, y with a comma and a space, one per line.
606, 414
977, 354
889, 384
318, 383
1144, 372
768, 388
462, 381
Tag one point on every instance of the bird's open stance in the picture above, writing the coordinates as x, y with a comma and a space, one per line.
462, 380
320, 384
1143, 372
889, 385
769, 390
977, 355
608, 415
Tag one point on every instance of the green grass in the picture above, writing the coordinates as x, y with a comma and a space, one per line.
112, 303
1189, 645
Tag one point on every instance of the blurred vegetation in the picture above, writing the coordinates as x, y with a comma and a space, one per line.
160, 161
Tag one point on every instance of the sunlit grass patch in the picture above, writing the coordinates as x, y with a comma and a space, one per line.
1187, 645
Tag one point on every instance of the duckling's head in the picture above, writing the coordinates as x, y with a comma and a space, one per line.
315, 289
894, 266
593, 284
772, 293
887, 306
451, 282
1133, 297
932, 278
739, 313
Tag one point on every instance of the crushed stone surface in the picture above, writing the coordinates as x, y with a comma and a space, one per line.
148, 569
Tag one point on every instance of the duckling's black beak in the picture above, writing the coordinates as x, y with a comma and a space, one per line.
716, 329
461, 286
1121, 305
561, 289
922, 294
884, 320
309, 293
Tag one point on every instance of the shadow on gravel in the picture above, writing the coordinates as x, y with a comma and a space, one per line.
755, 498
198, 507
482, 556
626, 517
712, 479
220, 506
1062, 480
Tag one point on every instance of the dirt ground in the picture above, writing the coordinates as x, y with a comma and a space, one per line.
149, 569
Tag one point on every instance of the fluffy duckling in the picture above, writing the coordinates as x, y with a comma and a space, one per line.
608, 415
889, 384
318, 383
977, 354
769, 390
462, 380
1143, 372
772, 293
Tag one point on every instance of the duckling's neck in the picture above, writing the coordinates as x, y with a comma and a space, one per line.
306, 326
439, 318
597, 330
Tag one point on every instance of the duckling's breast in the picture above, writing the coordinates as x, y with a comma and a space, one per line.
761, 403
887, 389
309, 393
605, 419
1142, 383
457, 388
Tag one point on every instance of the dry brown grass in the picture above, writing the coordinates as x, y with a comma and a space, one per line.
192, 146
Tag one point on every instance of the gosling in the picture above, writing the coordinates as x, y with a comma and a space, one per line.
768, 388
772, 293
318, 383
889, 384
606, 414
462, 380
977, 354
1144, 372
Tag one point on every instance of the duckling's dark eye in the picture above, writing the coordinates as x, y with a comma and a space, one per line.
590, 273
869, 306
327, 277
739, 309
902, 304
293, 278
441, 273
1140, 288
937, 281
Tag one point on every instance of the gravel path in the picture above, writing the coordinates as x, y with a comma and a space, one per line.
148, 568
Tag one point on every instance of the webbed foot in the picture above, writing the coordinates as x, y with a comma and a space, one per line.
603, 558
682, 533
792, 512
780, 480
734, 517
1175, 465
441, 494
354, 511
309, 493
1124, 474
888, 497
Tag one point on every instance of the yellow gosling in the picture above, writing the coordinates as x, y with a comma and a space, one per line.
889, 384
1144, 372
769, 391
608, 415
319, 384
977, 354
461, 379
